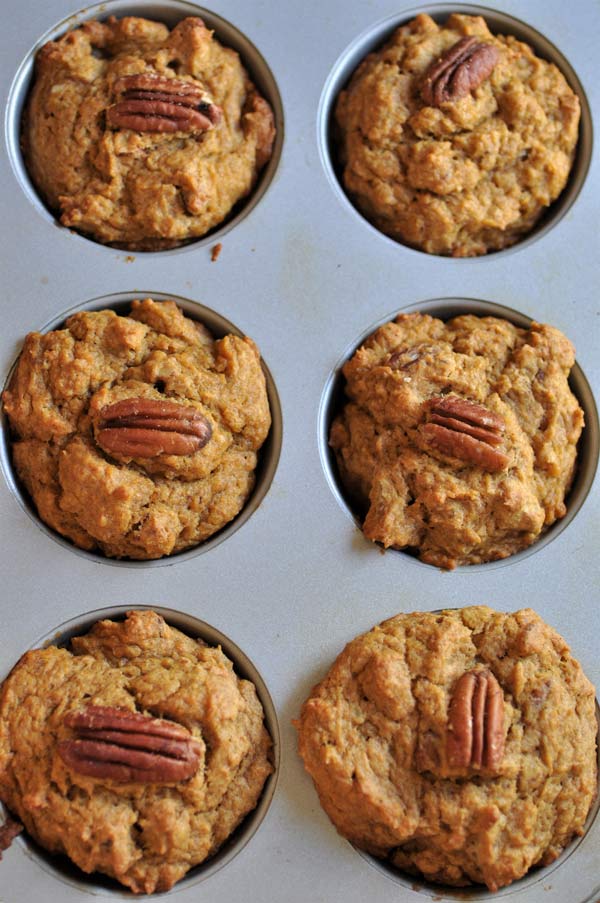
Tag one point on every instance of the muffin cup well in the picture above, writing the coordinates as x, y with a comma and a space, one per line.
60, 867
499, 23
333, 398
170, 12
334, 691
268, 455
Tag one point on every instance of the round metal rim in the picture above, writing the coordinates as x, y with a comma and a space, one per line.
502, 23
446, 308
268, 455
170, 12
96, 884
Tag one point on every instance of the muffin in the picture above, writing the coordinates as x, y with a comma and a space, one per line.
459, 439
136, 751
460, 746
137, 435
140, 137
453, 140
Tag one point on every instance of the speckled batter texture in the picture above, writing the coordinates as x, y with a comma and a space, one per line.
414, 496
146, 836
135, 507
141, 190
470, 176
372, 738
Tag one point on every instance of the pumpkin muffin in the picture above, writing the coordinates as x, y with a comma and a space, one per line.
460, 746
136, 751
459, 439
141, 137
137, 435
454, 140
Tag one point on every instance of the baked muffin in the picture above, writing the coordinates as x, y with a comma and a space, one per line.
459, 439
137, 435
454, 140
141, 137
459, 745
136, 751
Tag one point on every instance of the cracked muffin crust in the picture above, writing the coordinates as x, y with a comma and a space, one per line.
140, 137
459, 439
137, 435
146, 833
455, 156
379, 734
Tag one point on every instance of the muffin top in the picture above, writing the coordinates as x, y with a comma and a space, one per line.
137, 435
454, 140
459, 440
141, 137
136, 751
459, 744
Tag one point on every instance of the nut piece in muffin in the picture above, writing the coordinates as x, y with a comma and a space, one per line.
137, 435
140, 137
459, 439
454, 140
136, 751
460, 746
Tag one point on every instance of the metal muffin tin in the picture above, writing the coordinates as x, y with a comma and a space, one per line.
306, 277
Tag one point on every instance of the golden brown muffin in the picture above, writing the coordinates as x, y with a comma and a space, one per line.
459, 440
456, 148
140, 137
459, 745
137, 435
136, 752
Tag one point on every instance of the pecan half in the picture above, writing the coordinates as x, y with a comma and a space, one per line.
466, 430
402, 359
121, 745
405, 357
475, 736
147, 427
459, 70
154, 103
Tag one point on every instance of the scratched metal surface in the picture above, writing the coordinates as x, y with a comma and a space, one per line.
306, 277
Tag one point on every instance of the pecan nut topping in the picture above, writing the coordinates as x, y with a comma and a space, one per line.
147, 427
154, 103
404, 358
125, 746
459, 70
466, 430
475, 737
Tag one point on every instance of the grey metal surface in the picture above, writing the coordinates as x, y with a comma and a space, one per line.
305, 276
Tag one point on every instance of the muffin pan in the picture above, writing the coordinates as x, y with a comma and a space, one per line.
303, 274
